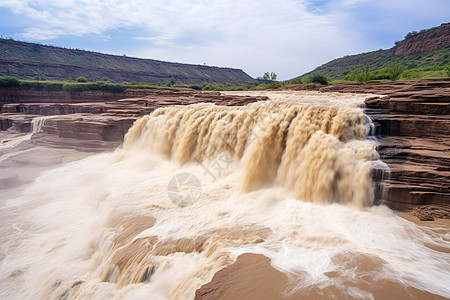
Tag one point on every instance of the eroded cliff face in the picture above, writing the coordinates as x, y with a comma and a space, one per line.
95, 120
413, 129
10, 95
427, 41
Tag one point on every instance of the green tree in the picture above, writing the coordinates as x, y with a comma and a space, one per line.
275, 85
410, 34
171, 82
273, 76
269, 76
81, 79
318, 78
395, 71
361, 75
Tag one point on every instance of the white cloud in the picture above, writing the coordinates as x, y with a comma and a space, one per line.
286, 36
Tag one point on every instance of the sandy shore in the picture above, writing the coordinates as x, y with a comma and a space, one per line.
252, 277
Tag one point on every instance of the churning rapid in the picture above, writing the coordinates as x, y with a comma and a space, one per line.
193, 187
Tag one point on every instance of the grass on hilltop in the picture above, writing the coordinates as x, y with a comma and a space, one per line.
76, 86
361, 75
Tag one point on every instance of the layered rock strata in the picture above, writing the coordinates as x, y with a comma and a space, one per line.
96, 125
412, 126
413, 129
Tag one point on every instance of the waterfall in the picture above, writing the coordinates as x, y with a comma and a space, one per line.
193, 187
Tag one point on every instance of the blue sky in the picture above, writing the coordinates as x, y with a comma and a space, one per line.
288, 37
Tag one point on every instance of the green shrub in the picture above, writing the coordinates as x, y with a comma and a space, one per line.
361, 75
410, 74
235, 88
53, 86
297, 80
318, 78
210, 87
81, 79
77, 87
171, 82
100, 86
410, 35
252, 85
47, 86
395, 71
141, 85
447, 70
33, 85
275, 85
380, 74
116, 88
9, 81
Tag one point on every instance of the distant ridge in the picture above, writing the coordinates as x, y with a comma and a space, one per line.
426, 48
27, 60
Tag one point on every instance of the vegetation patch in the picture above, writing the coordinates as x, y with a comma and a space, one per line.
39, 85
98, 86
317, 78
8, 81
340, 68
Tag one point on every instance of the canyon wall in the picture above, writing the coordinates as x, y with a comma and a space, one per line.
412, 125
94, 120
413, 129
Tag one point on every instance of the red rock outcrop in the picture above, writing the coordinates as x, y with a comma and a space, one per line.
27, 95
427, 41
413, 129
92, 125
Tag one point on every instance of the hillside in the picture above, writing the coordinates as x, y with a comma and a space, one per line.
27, 60
427, 48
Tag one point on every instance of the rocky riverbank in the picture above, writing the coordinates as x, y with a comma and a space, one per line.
413, 128
85, 123
412, 125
